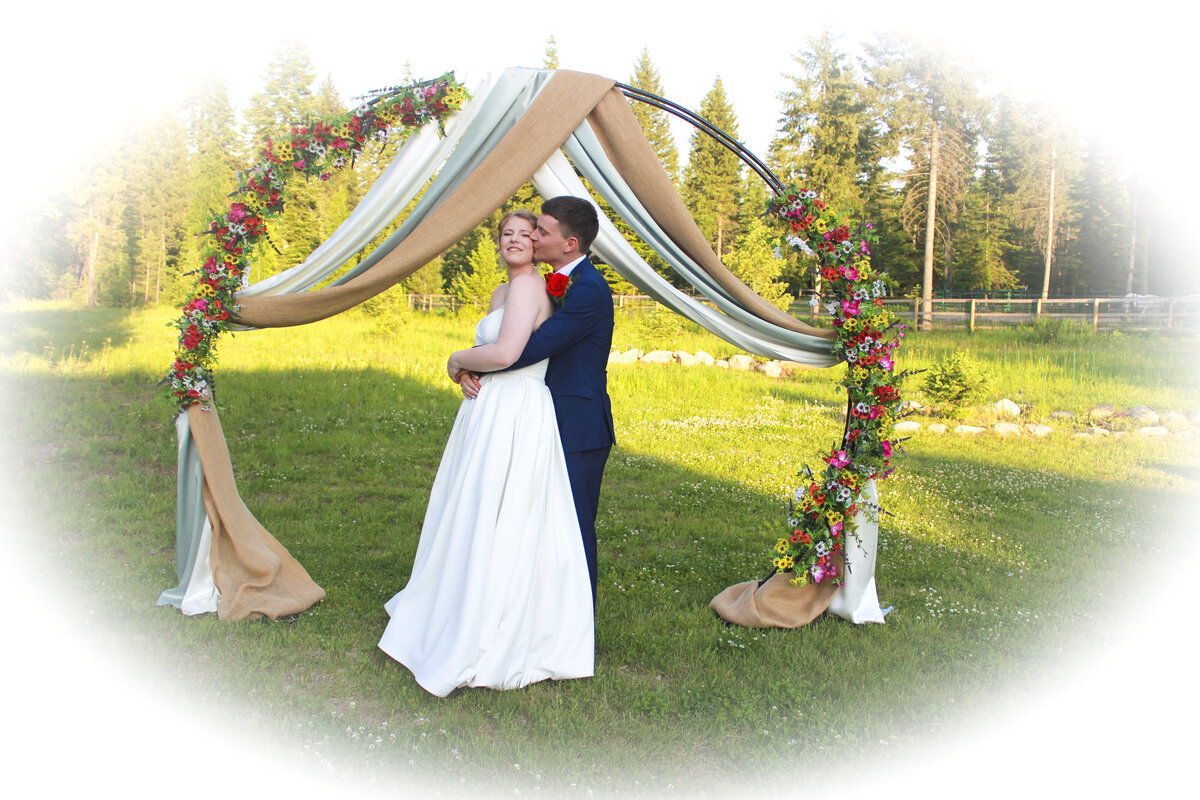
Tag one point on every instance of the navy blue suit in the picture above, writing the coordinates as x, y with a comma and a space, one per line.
577, 339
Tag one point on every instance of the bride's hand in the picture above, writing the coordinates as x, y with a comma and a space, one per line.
469, 383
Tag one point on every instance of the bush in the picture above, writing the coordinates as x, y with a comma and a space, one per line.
955, 380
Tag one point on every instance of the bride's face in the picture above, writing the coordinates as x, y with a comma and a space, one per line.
516, 246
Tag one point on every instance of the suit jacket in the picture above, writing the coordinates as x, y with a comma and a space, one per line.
577, 339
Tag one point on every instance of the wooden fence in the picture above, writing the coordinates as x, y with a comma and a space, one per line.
1098, 313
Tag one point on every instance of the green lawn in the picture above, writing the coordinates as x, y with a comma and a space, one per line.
1010, 562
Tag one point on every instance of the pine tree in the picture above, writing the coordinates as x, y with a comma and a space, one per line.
474, 287
828, 140
286, 100
216, 153
928, 104
712, 184
655, 122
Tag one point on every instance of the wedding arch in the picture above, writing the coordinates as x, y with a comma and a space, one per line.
522, 125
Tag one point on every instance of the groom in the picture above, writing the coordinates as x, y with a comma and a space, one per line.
576, 338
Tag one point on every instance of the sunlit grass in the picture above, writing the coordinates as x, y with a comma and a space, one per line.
990, 553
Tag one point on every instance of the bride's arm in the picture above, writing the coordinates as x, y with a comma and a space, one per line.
525, 301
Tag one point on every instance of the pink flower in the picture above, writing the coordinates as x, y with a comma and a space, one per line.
886, 363
887, 449
850, 307
839, 459
817, 572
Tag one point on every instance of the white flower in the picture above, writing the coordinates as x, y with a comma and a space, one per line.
833, 307
778, 255
821, 547
814, 301
799, 494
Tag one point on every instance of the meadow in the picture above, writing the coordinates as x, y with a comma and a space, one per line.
1009, 561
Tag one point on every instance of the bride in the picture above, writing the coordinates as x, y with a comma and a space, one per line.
499, 594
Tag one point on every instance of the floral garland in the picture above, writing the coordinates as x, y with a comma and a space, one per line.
821, 515
313, 150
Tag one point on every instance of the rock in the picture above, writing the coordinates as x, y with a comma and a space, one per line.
685, 358
1061, 415
721, 363
1099, 431
1118, 434
971, 429
1081, 435
907, 426
1006, 408
741, 362
909, 405
657, 357
1040, 431
937, 427
1153, 430
628, 357
1144, 415
1102, 411
1006, 429
770, 368
1173, 421
789, 368
704, 358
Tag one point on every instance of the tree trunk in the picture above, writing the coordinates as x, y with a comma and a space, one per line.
930, 220
1132, 246
93, 253
1049, 229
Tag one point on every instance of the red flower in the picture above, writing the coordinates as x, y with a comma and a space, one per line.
556, 284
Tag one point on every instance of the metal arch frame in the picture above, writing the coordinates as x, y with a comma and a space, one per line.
704, 125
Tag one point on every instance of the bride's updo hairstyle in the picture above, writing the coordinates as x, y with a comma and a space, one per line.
528, 216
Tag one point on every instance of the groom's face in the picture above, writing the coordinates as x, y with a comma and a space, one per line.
549, 244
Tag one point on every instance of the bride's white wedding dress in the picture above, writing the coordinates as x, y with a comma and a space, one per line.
499, 594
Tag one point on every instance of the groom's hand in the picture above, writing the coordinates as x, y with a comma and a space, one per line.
469, 383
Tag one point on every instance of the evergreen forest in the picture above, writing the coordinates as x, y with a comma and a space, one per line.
971, 194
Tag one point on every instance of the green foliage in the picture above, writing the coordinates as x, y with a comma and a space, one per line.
661, 327
474, 286
956, 380
753, 260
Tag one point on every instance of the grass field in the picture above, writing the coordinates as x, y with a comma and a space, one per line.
1012, 564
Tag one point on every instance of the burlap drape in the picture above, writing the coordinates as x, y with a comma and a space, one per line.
254, 573
775, 603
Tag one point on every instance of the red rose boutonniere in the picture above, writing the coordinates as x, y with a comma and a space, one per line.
557, 285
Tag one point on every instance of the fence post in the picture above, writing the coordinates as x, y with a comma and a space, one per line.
1038, 313
916, 312
1170, 313
1095, 314
971, 324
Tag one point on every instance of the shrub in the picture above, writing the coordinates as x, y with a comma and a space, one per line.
955, 380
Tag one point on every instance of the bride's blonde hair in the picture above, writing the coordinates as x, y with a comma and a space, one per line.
528, 216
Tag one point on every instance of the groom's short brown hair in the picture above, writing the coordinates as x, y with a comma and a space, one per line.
576, 217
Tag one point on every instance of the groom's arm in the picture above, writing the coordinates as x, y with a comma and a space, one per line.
574, 320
